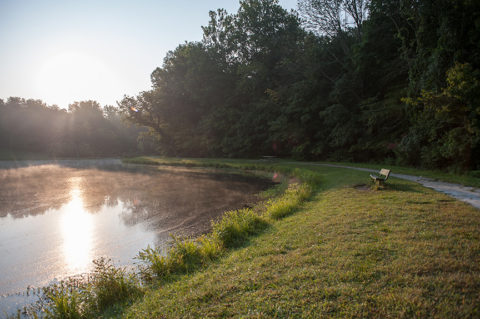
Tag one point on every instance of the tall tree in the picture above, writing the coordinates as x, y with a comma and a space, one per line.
332, 17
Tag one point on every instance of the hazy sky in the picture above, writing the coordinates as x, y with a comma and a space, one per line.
61, 51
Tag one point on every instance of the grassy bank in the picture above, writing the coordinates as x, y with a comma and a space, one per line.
109, 290
330, 248
405, 251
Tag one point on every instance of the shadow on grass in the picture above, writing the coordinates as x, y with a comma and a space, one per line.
403, 187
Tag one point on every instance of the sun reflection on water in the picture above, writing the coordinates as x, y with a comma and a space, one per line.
77, 230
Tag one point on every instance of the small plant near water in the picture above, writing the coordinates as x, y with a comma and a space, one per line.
63, 301
88, 297
111, 285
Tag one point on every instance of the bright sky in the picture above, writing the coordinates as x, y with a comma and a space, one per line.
61, 51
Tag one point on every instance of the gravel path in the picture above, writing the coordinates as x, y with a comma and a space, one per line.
466, 194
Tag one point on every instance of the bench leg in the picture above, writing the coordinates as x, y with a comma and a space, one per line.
381, 183
378, 184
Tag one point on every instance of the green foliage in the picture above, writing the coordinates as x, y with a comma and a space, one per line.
446, 131
259, 84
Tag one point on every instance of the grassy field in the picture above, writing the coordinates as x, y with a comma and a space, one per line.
346, 252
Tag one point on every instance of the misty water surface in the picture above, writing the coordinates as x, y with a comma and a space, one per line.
55, 218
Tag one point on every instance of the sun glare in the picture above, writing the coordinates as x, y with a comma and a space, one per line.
77, 230
72, 76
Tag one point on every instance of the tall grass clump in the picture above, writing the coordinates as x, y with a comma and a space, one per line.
183, 256
89, 297
111, 285
62, 301
236, 226
186, 255
307, 177
289, 202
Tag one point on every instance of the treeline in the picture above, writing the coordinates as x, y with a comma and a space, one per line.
85, 129
378, 80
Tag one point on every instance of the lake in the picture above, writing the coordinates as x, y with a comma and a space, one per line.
56, 217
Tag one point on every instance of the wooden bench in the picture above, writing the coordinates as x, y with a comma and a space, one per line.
381, 178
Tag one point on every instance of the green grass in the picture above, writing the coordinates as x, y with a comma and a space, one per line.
325, 246
402, 252
471, 178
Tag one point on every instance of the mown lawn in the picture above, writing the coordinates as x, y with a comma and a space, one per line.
471, 178
348, 252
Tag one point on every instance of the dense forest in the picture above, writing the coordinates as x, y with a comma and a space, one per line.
379, 80
394, 81
85, 129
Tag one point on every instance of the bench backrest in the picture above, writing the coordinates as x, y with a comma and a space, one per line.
385, 172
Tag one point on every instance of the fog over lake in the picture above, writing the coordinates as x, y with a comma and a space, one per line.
56, 217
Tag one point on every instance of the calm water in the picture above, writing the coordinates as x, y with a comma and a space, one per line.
55, 218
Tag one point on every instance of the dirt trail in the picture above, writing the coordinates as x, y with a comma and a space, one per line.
466, 194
